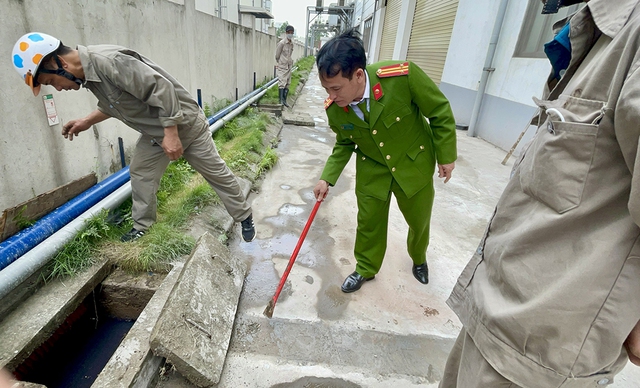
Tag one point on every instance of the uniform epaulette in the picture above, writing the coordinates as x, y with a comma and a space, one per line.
327, 103
393, 70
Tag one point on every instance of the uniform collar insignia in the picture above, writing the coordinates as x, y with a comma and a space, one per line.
377, 91
327, 103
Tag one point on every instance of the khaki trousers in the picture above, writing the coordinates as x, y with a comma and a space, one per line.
467, 368
284, 76
149, 163
373, 221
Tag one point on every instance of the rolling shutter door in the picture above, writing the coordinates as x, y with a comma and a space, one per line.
389, 29
431, 34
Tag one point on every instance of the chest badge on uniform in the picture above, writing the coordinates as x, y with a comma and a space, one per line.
347, 127
377, 91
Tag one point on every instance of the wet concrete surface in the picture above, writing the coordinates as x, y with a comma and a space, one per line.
394, 332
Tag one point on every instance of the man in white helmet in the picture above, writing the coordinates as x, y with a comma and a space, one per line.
142, 95
551, 298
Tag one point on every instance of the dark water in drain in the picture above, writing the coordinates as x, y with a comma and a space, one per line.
317, 382
77, 352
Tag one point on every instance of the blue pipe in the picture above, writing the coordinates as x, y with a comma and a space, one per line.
23, 241
223, 112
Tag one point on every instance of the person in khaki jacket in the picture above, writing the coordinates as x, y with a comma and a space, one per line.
145, 97
284, 52
551, 298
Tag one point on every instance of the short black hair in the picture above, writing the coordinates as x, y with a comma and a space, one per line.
61, 50
288, 28
343, 53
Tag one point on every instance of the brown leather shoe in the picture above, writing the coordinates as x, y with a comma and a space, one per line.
353, 282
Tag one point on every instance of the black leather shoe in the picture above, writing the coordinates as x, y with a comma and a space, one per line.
353, 282
421, 272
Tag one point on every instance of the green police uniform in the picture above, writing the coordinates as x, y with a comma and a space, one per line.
396, 153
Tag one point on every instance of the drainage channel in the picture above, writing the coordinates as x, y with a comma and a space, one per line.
75, 354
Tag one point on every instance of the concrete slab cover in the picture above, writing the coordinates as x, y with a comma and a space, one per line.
194, 329
297, 118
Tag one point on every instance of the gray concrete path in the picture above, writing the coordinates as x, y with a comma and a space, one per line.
394, 332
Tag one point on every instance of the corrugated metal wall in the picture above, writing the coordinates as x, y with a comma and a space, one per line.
390, 29
431, 34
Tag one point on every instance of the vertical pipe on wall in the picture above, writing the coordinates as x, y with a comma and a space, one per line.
306, 35
200, 97
488, 67
121, 146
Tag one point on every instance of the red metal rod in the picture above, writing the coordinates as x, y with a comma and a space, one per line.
292, 260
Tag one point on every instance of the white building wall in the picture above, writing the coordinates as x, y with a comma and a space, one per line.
507, 104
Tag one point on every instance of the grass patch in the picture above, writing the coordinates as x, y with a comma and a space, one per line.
160, 246
195, 196
240, 143
78, 254
269, 159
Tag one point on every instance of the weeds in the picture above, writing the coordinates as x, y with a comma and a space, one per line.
78, 253
269, 159
159, 247
21, 221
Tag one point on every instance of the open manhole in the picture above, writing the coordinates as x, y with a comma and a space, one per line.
317, 382
75, 354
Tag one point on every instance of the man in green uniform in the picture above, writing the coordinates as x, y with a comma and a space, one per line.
378, 112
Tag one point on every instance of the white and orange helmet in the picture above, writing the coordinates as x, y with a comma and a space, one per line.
28, 53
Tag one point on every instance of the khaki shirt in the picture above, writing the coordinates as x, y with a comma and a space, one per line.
136, 91
554, 287
284, 51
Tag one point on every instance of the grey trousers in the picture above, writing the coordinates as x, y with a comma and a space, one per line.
149, 163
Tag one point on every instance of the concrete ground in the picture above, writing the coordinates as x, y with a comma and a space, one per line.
394, 332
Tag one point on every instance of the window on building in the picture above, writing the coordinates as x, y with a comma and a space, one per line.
537, 29
366, 33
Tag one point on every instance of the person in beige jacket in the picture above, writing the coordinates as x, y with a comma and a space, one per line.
551, 297
138, 92
284, 64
